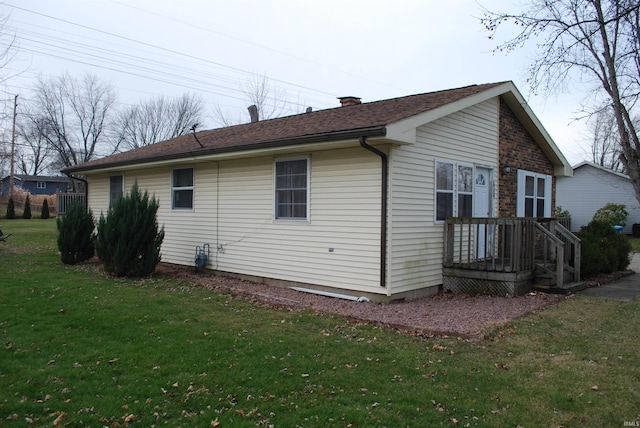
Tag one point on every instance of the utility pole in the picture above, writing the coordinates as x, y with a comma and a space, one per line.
13, 145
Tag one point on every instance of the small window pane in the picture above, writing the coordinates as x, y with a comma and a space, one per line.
540, 208
444, 205
529, 182
115, 188
541, 186
528, 207
183, 199
465, 208
183, 177
465, 179
444, 176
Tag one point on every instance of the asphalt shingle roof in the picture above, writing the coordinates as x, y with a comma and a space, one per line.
366, 119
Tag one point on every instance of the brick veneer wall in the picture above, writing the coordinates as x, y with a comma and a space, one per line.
518, 149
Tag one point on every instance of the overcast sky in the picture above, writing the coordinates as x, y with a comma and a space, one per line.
313, 50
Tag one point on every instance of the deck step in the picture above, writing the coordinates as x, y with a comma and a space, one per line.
567, 288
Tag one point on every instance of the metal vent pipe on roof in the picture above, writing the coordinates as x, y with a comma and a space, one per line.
253, 113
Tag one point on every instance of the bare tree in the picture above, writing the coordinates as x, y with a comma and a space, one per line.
158, 120
8, 50
8, 45
604, 149
595, 43
73, 117
269, 99
34, 154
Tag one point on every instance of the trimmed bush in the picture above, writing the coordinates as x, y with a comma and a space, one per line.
603, 249
45, 214
26, 214
128, 241
612, 214
76, 235
11, 210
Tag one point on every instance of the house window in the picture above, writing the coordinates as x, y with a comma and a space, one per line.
41, 185
454, 190
534, 194
182, 188
116, 188
291, 189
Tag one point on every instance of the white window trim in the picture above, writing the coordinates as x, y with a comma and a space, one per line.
275, 208
522, 174
41, 185
192, 188
455, 192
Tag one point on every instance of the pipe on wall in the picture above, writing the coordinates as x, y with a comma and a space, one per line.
383, 208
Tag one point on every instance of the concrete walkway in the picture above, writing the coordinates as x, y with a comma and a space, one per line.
625, 289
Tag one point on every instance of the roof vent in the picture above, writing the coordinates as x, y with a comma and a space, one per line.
349, 101
309, 110
253, 113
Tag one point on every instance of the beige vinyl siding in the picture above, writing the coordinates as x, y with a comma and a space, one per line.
98, 195
237, 202
344, 216
416, 241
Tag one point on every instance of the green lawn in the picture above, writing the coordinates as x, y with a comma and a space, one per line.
82, 349
635, 244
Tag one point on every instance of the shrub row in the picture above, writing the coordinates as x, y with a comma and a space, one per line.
26, 213
127, 241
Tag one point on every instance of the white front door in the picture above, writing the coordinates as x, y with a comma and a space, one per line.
482, 208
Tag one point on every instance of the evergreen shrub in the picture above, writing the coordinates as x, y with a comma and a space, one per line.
11, 209
128, 240
45, 214
76, 236
603, 250
26, 214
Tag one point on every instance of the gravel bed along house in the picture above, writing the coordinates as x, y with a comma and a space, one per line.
441, 314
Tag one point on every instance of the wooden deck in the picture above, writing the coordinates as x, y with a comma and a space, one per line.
505, 255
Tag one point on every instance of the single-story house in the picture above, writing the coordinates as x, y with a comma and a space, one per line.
36, 184
592, 187
352, 200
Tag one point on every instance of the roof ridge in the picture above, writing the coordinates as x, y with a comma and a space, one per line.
368, 103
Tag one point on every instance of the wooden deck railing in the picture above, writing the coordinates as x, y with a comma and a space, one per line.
66, 199
511, 245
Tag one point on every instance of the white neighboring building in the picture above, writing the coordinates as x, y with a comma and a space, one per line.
591, 187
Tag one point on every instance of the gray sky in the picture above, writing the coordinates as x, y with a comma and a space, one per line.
313, 50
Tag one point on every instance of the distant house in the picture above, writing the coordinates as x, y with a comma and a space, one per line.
591, 187
36, 184
352, 200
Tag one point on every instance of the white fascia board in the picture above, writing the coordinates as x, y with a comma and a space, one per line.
405, 130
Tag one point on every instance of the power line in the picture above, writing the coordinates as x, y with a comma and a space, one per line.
161, 48
85, 50
258, 45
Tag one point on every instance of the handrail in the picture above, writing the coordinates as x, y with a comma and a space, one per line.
575, 242
559, 252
